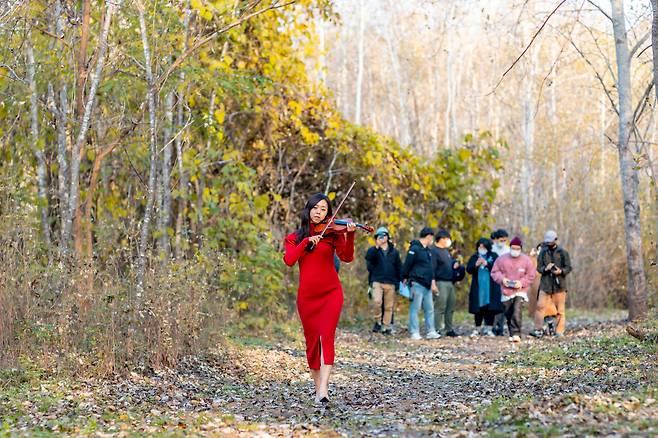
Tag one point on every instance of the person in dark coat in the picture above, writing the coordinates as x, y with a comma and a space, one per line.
484, 296
384, 265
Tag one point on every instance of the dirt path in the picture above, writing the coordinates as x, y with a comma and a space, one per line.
595, 381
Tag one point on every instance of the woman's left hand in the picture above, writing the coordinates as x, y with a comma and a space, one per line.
351, 227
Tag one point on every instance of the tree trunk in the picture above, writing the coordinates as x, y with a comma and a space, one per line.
60, 109
654, 47
81, 76
35, 140
178, 143
165, 212
637, 285
360, 56
84, 128
153, 154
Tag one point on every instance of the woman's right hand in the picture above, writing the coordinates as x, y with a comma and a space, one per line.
314, 239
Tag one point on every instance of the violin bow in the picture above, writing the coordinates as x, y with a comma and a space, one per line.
337, 209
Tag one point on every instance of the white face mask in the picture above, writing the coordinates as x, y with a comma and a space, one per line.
515, 252
482, 252
448, 243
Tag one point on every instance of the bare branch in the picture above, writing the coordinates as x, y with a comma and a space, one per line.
639, 43
527, 47
600, 10
205, 40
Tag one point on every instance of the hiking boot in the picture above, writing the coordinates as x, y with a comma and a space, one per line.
536, 333
452, 334
432, 335
415, 337
377, 328
550, 322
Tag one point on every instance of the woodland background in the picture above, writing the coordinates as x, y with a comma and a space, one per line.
154, 154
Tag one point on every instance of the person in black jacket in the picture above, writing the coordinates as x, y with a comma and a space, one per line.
445, 270
554, 264
418, 269
384, 265
484, 296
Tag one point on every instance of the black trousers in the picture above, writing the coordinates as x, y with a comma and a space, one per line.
514, 315
487, 317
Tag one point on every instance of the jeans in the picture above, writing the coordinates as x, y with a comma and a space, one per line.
422, 297
445, 306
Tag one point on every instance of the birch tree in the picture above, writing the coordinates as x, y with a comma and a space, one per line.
67, 219
637, 284
35, 138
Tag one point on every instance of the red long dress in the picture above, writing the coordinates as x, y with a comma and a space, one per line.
320, 294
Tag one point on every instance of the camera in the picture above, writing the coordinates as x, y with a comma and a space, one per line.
554, 270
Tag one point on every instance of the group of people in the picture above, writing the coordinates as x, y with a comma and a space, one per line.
503, 279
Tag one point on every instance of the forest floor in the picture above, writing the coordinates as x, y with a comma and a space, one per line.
595, 381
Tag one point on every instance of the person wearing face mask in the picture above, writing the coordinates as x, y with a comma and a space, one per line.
446, 299
514, 272
484, 296
500, 239
383, 262
554, 264
500, 242
418, 269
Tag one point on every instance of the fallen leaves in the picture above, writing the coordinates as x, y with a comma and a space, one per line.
590, 382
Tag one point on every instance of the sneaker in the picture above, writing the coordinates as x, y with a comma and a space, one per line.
415, 337
377, 328
432, 335
516, 338
387, 331
536, 333
559, 335
489, 333
475, 333
452, 334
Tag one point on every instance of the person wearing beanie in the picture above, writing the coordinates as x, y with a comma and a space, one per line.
554, 264
384, 266
418, 270
514, 272
446, 299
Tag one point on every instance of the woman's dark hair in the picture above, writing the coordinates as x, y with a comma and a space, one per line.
484, 241
304, 229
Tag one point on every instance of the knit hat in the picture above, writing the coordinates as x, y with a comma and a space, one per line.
382, 231
516, 242
426, 231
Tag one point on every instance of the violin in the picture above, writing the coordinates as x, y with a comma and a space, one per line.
339, 226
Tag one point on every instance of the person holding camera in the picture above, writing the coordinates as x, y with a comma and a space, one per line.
554, 264
384, 265
514, 272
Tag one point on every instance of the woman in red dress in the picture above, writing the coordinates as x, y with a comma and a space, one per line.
320, 294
